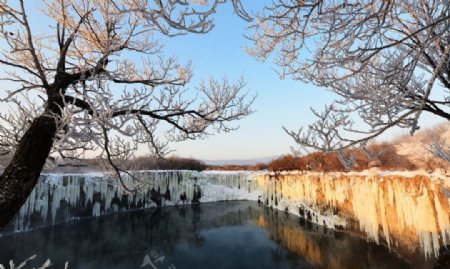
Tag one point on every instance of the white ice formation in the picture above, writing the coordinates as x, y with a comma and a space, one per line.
62, 197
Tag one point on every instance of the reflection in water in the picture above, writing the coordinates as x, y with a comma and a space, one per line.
213, 235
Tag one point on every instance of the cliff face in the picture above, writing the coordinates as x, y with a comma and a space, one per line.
402, 212
63, 197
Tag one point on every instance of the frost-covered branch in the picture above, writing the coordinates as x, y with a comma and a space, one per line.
324, 133
387, 60
101, 73
439, 149
22, 265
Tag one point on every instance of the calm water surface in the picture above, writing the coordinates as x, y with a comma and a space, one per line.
221, 235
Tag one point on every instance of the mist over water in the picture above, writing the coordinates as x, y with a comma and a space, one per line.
212, 235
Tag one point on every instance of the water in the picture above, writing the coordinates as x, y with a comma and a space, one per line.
217, 235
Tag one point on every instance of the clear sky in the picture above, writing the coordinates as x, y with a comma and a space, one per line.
279, 102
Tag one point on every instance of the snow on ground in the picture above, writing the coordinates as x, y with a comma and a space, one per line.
214, 193
375, 172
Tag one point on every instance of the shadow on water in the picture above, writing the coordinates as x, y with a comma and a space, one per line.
213, 235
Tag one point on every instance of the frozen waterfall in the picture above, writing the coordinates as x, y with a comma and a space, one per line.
62, 197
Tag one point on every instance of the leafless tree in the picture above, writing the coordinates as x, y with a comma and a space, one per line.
387, 60
81, 85
438, 149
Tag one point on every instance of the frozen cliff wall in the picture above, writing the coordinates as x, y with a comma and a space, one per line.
407, 212
62, 197
402, 211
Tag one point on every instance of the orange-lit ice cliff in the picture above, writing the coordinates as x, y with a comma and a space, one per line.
403, 212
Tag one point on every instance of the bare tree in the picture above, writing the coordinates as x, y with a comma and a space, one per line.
438, 149
78, 86
387, 60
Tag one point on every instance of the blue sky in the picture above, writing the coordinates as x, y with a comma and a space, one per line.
279, 102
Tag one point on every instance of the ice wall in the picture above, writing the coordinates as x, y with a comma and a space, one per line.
406, 211
59, 198
397, 210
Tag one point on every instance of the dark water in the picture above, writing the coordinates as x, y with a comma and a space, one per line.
211, 236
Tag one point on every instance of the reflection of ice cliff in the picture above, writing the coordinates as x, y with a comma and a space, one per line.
327, 248
402, 212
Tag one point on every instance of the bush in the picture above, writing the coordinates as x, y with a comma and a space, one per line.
287, 163
389, 159
386, 158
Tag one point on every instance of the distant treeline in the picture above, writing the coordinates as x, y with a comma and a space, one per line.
170, 163
235, 167
383, 156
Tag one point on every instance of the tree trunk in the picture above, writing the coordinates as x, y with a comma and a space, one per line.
22, 173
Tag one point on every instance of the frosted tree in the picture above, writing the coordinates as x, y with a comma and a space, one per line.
438, 148
98, 80
387, 61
